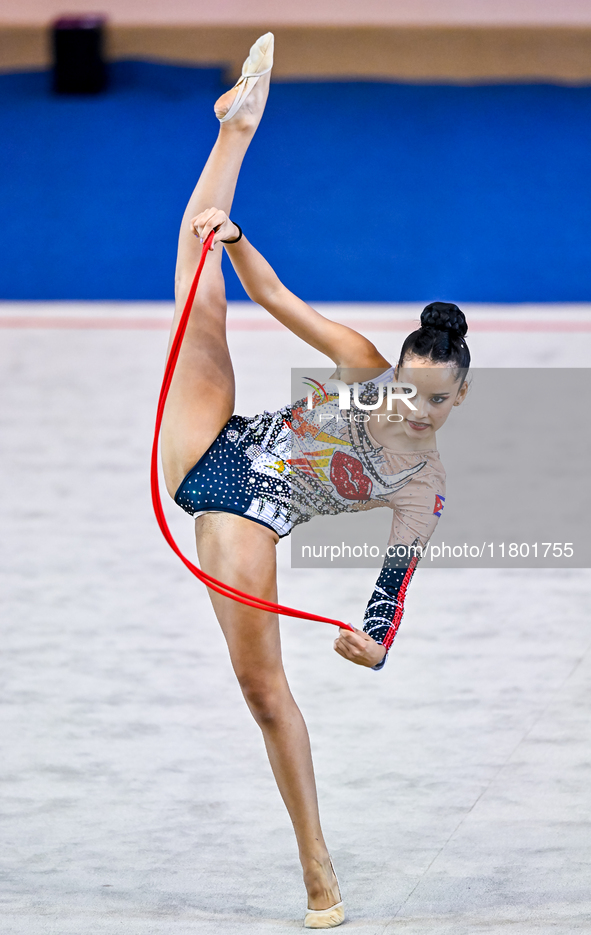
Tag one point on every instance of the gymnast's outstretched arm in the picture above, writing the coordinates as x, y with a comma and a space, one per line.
382, 618
345, 346
414, 520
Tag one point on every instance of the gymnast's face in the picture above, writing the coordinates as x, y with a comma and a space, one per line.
438, 391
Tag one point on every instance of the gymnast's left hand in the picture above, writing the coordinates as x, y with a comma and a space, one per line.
359, 647
217, 220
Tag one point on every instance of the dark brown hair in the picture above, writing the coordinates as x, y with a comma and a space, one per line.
440, 337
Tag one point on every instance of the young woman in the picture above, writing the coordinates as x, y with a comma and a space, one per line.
249, 480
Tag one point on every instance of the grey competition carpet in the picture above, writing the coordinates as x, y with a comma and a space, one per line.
454, 786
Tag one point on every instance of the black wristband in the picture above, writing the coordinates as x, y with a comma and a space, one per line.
236, 239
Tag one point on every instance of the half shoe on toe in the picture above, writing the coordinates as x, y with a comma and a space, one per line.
258, 63
325, 918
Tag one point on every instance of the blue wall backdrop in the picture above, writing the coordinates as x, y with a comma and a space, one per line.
354, 191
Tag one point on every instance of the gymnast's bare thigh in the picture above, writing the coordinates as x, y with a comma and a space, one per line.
239, 552
242, 553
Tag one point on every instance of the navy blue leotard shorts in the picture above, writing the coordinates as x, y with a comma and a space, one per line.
225, 479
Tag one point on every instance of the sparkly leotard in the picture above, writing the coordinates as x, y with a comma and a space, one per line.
283, 468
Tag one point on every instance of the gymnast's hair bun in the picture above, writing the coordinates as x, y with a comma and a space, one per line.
444, 316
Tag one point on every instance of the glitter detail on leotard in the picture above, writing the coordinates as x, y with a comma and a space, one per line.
283, 468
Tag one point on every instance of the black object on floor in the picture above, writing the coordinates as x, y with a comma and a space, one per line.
78, 61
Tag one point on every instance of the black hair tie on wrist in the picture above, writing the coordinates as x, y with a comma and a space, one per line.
236, 239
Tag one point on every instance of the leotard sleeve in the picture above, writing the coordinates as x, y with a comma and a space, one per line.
417, 508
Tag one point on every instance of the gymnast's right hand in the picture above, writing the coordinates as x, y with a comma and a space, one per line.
359, 647
217, 220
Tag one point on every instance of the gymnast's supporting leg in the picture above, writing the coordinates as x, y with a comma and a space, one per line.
231, 548
242, 553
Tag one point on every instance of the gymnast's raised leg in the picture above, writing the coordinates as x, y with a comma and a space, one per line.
231, 548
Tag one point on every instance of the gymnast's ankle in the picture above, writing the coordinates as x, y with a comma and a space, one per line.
320, 882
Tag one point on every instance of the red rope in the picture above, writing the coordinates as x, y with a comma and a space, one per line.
225, 589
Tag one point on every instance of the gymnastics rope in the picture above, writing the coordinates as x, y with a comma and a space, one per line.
225, 589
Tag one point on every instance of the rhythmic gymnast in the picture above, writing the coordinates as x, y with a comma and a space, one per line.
249, 480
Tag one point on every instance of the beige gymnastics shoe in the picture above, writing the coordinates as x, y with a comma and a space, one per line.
258, 63
325, 918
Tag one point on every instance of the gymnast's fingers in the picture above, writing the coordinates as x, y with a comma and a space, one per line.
341, 648
218, 222
200, 220
355, 639
223, 227
204, 223
210, 224
346, 646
